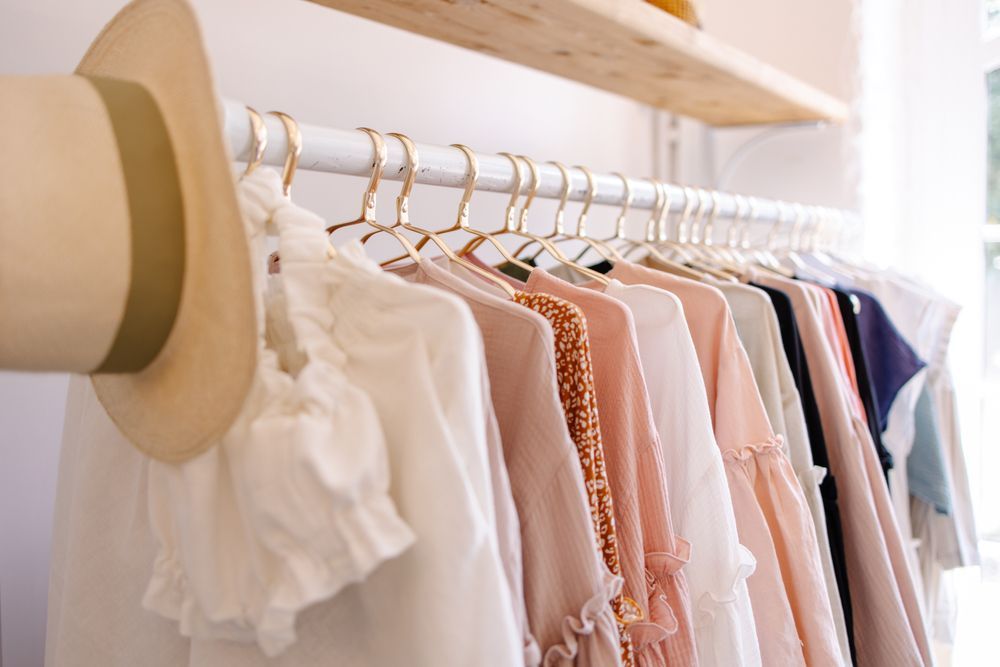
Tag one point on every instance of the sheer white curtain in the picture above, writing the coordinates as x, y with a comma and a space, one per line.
923, 154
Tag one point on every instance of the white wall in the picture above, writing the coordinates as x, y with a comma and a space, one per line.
330, 68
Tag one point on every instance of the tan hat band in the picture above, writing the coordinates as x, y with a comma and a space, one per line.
156, 214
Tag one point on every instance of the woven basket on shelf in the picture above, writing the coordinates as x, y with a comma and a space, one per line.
685, 10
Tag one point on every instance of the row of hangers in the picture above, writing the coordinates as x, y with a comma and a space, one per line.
690, 251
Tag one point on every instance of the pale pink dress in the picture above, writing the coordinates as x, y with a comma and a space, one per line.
791, 608
888, 625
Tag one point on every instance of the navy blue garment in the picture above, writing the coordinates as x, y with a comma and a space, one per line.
828, 487
850, 306
891, 360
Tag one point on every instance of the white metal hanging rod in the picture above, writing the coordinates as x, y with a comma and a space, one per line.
350, 152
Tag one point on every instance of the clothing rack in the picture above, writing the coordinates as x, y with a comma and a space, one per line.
350, 152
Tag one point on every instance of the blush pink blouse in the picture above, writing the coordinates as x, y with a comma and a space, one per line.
651, 555
788, 593
567, 588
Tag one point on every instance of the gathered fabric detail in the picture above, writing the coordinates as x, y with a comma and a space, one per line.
575, 628
371, 533
662, 621
770, 446
712, 603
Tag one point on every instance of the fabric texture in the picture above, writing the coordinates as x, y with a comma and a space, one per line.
701, 506
888, 625
567, 590
793, 617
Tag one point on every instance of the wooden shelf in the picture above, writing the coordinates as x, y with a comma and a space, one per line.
624, 46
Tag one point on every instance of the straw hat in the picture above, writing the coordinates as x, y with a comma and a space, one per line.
122, 250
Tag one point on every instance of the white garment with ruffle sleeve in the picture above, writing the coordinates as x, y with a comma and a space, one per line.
700, 502
292, 505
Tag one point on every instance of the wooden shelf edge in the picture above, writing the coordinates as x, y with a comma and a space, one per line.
627, 47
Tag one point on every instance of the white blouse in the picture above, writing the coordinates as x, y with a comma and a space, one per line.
700, 503
292, 505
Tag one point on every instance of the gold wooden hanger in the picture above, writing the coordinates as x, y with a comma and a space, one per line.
509, 224
462, 221
558, 228
715, 254
288, 169
618, 234
656, 227
368, 200
544, 243
403, 217
581, 222
259, 142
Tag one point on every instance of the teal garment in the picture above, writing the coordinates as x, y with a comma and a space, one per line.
925, 467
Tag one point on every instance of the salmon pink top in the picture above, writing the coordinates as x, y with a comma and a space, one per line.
794, 621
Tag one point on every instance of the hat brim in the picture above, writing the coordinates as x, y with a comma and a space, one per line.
187, 398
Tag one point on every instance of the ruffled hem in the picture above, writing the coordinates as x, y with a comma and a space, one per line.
712, 603
662, 621
575, 628
749, 452
372, 533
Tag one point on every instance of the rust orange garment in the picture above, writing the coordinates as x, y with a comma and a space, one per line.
576, 391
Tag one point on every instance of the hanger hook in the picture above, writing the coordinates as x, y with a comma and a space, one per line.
732, 231
663, 221
378, 165
258, 145
532, 190
710, 225
694, 234
515, 193
683, 223
748, 222
567, 183
800, 218
581, 222
412, 164
626, 205
294, 150
652, 225
471, 178
772, 234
